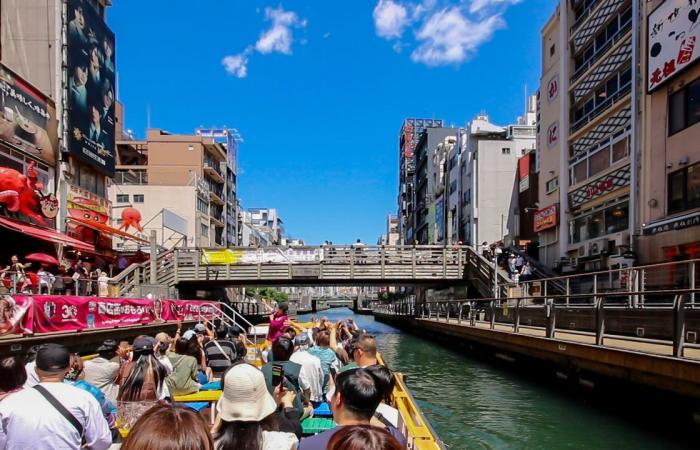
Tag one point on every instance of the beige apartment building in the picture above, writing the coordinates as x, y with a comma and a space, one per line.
178, 185
585, 133
670, 175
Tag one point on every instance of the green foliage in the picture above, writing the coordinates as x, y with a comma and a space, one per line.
267, 293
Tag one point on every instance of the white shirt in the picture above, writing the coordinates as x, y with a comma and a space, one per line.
101, 373
32, 377
311, 373
163, 359
29, 421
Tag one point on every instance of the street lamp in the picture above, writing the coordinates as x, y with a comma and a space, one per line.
496, 252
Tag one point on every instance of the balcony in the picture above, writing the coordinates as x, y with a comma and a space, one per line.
602, 107
216, 197
216, 221
212, 169
622, 32
131, 177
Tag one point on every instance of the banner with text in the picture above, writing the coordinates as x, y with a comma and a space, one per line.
16, 315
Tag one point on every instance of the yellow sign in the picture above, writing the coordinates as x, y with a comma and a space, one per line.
223, 257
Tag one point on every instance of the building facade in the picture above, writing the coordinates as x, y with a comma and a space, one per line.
184, 175
411, 130
586, 106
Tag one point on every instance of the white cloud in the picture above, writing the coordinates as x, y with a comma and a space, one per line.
278, 38
449, 37
236, 65
390, 18
479, 5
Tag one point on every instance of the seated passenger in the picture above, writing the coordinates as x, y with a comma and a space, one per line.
356, 397
385, 415
167, 427
311, 373
101, 372
364, 352
282, 350
363, 437
183, 379
220, 352
327, 356
162, 349
143, 378
251, 418
12, 375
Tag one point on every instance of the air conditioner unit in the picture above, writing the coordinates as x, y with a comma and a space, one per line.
622, 238
582, 251
603, 246
594, 248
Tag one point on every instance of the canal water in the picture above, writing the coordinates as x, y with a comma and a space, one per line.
474, 404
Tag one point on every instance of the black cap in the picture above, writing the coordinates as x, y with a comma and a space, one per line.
144, 344
109, 345
283, 306
53, 358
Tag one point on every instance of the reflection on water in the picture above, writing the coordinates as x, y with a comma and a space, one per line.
475, 405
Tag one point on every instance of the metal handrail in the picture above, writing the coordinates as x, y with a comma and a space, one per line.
622, 92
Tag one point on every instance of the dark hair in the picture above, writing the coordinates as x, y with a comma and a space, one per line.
32, 352
189, 347
368, 344
165, 427
241, 350
221, 332
323, 339
12, 373
363, 437
130, 388
385, 379
239, 435
282, 349
361, 392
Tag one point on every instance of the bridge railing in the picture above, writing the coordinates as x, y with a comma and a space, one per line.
671, 326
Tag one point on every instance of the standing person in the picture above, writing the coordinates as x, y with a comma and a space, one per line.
250, 417
220, 352
485, 250
526, 272
311, 373
16, 271
519, 263
46, 280
168, 427
102, 370
277, 320
53, 414
102, 283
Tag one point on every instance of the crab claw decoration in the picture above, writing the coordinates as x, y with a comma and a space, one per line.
131, 217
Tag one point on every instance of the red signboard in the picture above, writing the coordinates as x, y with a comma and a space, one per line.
16, 315
546, 218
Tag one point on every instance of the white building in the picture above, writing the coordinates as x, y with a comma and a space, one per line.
489, 176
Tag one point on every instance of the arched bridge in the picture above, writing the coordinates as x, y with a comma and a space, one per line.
325, 265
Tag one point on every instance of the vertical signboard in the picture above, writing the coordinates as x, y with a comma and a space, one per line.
524, 173
90, 87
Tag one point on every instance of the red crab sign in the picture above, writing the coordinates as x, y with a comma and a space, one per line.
22, 194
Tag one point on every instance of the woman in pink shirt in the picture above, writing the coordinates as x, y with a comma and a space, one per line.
277, 320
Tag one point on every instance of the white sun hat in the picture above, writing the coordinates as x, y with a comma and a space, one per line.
245, 397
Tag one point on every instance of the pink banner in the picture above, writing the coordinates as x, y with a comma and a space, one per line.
190, 310
16, 315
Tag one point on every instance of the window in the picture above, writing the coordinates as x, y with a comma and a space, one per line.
122, 198
90, 180
684, 108
599, 161
580, 172
453, 186
552, 49
202, 206
599, 222
505, 151
138, 198
204, 230
552, 185
619, 150
684, 189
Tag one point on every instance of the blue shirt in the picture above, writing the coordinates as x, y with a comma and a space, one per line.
108, 409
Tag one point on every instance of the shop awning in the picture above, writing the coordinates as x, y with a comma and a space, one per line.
104, 228
45, 234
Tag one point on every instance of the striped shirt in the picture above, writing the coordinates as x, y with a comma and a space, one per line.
217, 360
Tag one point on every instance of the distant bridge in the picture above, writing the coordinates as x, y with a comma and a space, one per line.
312, 266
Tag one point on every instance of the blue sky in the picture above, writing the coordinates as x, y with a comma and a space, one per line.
318, 89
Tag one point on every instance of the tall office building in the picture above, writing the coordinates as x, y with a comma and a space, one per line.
408, 139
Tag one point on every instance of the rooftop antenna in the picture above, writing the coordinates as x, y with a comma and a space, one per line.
148, 117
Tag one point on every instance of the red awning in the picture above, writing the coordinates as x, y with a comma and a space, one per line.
107, 229
45, 234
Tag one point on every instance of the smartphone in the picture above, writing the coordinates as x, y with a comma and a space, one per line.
277, 374
333, 373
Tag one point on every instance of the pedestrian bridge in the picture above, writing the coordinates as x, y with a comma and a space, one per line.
324, 265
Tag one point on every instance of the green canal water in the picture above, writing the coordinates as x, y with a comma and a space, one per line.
474, 404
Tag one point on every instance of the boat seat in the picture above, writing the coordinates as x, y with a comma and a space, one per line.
197, 406
315, 425
323, 410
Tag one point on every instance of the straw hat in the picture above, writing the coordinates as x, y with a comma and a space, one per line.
245, 397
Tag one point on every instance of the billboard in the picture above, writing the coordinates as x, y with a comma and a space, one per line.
545, 218
90, 87
231, 144
524, 173
27, 118
85, 205
672, 35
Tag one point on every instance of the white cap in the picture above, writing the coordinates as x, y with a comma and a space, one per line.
245, 396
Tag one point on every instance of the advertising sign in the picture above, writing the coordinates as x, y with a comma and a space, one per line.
599, 187
524, 173
16, 315
189, 310
672, 35
27, 118
553, 134
553, 88
545, 218
91, 87
85, 205
260, 255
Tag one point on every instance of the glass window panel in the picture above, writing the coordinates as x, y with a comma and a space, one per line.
676, 192
692, 103
619, 150
580, 172
612, 28
611, 86
595, 224
616, 218
625, 77
626, 16
599, 161
693, 189
676, 107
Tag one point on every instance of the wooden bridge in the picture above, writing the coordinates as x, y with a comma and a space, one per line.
325, 265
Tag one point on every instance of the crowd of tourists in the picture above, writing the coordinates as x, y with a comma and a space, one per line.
53, 399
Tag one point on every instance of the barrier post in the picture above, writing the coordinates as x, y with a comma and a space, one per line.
678, 326
599, 320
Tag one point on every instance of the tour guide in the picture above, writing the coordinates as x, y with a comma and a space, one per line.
277, 320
